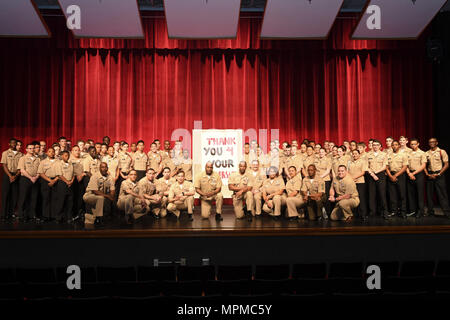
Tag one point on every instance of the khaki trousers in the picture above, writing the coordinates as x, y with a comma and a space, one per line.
176, 206
314, 208
96, 203
292, 204
239, 203
345, 206
277, 202
257, 204
126, 203
206, 205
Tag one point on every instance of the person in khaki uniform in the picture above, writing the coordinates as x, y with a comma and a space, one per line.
63, 200
240, 183
186, 165
403, 141
283, 167
47, 173
169, 162
376, 168
357, 169
294, 199
10, 180
437, 164
128, 194
163, 185
125, 164
154, 200
345, 194
90, 165
323, 170
28, 189
99, 196
155, 159
396, 168
342, 159
415, 182
313, 193
247, 154
181, 197
208, 185
274, 159
256, 180
272, 191
294, 160
308, 160
140, 160
113, 163
388, 148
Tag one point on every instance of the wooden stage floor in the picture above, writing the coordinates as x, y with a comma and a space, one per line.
148, 227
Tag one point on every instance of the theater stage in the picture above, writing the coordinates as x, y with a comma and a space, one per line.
230, 241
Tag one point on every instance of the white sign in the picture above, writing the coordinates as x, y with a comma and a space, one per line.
223, 148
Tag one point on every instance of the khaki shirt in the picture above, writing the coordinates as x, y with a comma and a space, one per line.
313, 186
64, 169
146, 186
163, 154
48, 167
163, 185
208, 183
124, 162
11, 160
344, 160
30, 164
322, 165
241, 180
294, 184
91, 165
77, 165
177, 190
186, 166
377, 162
388, 151
100, 183
356, 168
273, 185
295, 161
435, 159
256, 179
154, 160
140, 161
113, 163
416, 159
247, 160
396, 161
406, 150
345, 186
309, 160
127, 185
168, 162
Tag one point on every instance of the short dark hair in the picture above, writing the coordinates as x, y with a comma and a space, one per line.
414, 139
139, 141
342, 166
64, 152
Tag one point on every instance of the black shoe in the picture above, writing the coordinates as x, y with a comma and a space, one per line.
249, 218
364, 218
419, 215
429, 213
386, 216
190, 217
156, 216
99, 222
130, 218
219, 217
403, 215
276, 218
258, 216
292, 218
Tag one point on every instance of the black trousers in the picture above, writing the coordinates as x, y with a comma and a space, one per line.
328, 205
140, 174
47, 195
62, 200
397, 193
117, 186
28, 193
10, 192
416, 193
377, 187
362, 192
440, 187
77, 190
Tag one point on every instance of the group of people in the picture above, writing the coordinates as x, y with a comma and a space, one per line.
89, 181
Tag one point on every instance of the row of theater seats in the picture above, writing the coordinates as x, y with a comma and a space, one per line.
420, 279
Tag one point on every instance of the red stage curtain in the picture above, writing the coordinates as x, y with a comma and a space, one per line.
130, 89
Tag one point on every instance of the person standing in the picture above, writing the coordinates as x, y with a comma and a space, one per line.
257, 179
415, 184
140, 160
208, 185
186, 165
396, 168
10, 180
377, 163
63, 200
47, 173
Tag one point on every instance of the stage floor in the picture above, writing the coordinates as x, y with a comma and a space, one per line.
147, 227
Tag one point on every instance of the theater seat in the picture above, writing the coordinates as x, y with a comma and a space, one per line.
346, 270
417, 268
42, 275
309, 271
311, 286
89, 291
234, 272
160, 273
272, 287
272, 272
183, 288
137, 290
190, 273
116, 274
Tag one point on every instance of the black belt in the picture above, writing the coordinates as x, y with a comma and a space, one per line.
433, 172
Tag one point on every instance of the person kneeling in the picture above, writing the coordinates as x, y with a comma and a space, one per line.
181, 196
345, 194
127, 195
242, 190
313, 192
273, 189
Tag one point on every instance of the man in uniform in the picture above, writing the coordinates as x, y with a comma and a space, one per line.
313, 193
309, 159
208, 185
63, 200
323, 171
186, 165
125, 163
415, 183
28, 189
272, 191
345, 194
377, 163
155, 159
257, 179
140, 160
396, 168
99, 196
128, 194
283, 167
247, 154
403, 141
154, 200
437, 164
388, 148
62, 141
10, 180
90, 165
181, 196
163, 185
240, 183
48, 175
295, 160
294, 199
77, 186
42, 150
357, 169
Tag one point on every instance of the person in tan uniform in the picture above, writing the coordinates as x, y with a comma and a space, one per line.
155, 159
376, 168
262, 158
140, 160
128, 194
47, 173
240, 183
295, 160
78, 188
90, 165
42, 150
341, 159
357, 169
313, 193
317, 148
347, 151
113, 163
345, 194
388, 148
256, 180
154, 200
186, 165
208, 185
274, 159
403, 141
10, 180
163, 185
283, 167
28, 189
437, 164
293, 197
303, 149
125, 164
323, 170
99, 196
272, 191
63, 200
133, 148
309, 159
181, 196
396, 168
415, 183
103, 152
19, 145
169, 162
247, 154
